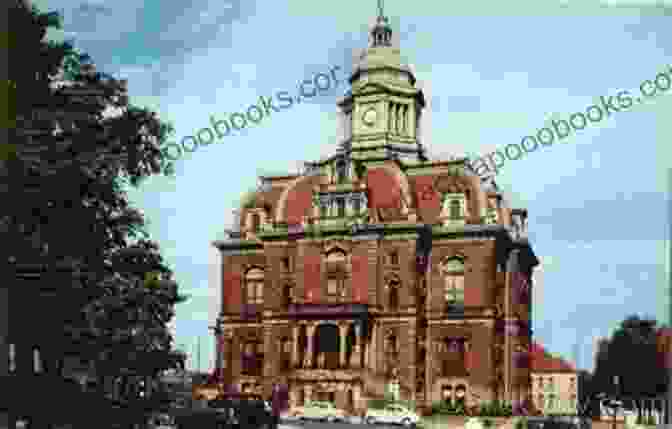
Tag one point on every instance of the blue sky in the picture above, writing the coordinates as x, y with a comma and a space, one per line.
492, 72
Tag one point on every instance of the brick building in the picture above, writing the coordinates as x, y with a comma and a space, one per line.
324, 285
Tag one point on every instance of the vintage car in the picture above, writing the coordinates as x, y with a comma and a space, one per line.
392, 413
318, 410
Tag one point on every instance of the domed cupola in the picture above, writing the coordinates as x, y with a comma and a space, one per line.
382, 111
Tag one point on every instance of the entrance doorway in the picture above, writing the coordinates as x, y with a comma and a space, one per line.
327, 346
326, 396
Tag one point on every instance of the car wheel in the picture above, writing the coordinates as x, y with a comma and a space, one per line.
406, 422
370, 421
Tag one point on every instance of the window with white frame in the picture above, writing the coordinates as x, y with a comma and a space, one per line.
254, 286
453, 277
336, 273
12, 357
37, 361
454, 207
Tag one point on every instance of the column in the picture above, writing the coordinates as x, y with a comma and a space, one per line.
355, 359
309, 353
373, 350
293, 396
295, 346
342, 331
356, 392
428, 367
308, 391
366, 347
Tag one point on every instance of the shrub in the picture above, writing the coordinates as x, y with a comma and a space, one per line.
487, 423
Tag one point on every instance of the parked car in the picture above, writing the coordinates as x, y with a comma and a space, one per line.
245, 411
319, 410
392, 413
162, 421
551, 422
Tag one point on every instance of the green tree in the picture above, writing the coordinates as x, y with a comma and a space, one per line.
631, 354
65, 167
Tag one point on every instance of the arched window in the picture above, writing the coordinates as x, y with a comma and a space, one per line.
336, 274
393, 258
460, 395
256, 222
455, 210
452, 271
393, 291
254, 287
286, 353
253, 358
286, 295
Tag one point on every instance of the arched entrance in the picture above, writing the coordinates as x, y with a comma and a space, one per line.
327, 346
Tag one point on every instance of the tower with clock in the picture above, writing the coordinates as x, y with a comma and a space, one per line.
382, 111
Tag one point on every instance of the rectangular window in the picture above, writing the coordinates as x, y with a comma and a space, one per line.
394, 258
37, 361
455, 209
454, 289
12, 357
260, 291
286, 264
332, 287
341, 207
356, 205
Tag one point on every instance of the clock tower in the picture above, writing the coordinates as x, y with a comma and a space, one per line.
382, 110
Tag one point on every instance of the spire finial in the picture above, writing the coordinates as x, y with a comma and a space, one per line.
381, 33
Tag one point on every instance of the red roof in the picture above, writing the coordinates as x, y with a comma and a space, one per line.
543, 361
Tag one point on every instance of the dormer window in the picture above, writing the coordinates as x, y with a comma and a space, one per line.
454, 208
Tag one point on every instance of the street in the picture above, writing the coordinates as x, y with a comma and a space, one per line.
356, 423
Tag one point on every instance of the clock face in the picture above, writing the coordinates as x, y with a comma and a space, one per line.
370, 117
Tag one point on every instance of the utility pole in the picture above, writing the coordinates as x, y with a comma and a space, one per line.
669, 295
198, 354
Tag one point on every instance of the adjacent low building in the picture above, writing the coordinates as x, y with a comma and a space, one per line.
554, 383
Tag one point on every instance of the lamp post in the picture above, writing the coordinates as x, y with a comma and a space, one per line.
616, 385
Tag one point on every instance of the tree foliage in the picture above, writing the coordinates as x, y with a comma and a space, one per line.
632, 355
74, 146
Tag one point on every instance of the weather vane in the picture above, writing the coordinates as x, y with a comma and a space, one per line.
380, 8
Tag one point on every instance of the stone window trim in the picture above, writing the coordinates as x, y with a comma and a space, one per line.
393, 257
452, 271
262, 218
253, 286
393, 287
336, 273
454, 207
